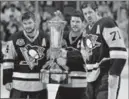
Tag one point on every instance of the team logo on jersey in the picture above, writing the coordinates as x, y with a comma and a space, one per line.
20, 42
32, 55
90, 42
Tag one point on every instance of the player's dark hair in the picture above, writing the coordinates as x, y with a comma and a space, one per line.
77, 14
92, 4
28, 15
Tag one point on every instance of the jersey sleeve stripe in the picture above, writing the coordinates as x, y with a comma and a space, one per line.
37, 86
92, 66
78, 74
118, 54
8, 60
8, 65
26, 79
26, 75
117, 48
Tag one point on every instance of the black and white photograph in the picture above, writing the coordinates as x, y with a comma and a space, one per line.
64, 49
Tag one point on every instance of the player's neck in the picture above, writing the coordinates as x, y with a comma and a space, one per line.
97, 19
75, 34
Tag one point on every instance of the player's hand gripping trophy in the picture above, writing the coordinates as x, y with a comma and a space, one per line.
53, 72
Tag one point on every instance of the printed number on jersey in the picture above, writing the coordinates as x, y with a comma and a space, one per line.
115, 35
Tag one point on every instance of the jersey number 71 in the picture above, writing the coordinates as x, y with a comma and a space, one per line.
116, 35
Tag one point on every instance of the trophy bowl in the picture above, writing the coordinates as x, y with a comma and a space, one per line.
51, 71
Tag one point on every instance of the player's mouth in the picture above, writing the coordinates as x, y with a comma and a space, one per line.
90, 19
28, 29
74, 27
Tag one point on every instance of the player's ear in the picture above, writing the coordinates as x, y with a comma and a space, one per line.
98, 12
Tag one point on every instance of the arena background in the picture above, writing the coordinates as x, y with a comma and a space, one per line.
10, 14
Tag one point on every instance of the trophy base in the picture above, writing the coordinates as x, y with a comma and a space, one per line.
50, 77
65, 77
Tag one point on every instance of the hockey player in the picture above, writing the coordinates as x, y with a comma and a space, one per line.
105, 54
72, 58
25, 56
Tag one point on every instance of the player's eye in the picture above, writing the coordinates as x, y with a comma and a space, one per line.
29, 22
90, 12
72, 21
85, 13
77, 21
24, 23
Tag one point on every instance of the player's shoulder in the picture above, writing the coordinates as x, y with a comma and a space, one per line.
107, 22
16, 36
45, 35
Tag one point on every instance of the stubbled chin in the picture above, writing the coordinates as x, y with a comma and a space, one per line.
90, 21
29, 31
75, 30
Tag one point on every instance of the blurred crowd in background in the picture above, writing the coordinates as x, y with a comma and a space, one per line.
11, 11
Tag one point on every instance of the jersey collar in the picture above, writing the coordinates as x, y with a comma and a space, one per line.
70, 38
32, 39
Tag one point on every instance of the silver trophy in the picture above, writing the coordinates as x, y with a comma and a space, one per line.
52, 72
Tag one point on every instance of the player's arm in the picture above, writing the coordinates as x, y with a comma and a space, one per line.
117, 49
70, 56
8, 62
74, 57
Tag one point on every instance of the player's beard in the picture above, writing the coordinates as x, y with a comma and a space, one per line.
31, 31
90, 21
75, 29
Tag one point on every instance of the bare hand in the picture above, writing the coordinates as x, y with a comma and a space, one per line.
61, 61
8, 86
